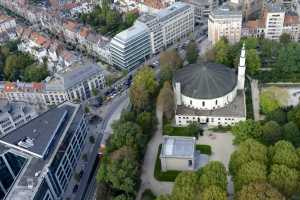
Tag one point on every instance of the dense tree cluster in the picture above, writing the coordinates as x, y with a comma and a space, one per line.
106, 20
15, 65
120, 166
280, 124
118, 175
192, 52
269, 172
208, 183
281, 57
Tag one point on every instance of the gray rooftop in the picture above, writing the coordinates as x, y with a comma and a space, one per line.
36, 136
172, 10
225, 11
236, 108
176, 146
36, 167
206, 80
73, 75
274, 7
134, 31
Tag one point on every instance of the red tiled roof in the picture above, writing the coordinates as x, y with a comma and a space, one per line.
291, 20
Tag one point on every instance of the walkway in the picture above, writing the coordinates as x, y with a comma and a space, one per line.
255, 98
147, 179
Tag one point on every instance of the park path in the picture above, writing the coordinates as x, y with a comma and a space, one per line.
147, 179
255, 98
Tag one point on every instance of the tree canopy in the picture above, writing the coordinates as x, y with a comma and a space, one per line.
214, 174
143, 88
213, 193
169, 61
259, 191
253, 62
186, 186
272, 98
165, 101
192, 52
246, 129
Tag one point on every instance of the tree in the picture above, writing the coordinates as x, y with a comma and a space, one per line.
192, 52
278, 116
143, 88
294, 115
164, 197
130, 18
123, 197
120, 170
291, 133
103, 191
272, 98
222, 52
126, 134
35, 73
253, 62
213, 174
271, 132
284, 179
213, 193
285, 38
169, 61
287, 59
165, 101
245, 130
146, 122
185, 186
250, 42
248, 173
259, 191
283, 153
248, 151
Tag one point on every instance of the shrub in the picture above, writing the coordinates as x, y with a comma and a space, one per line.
204, 149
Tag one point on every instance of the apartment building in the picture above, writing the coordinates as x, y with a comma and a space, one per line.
131, 47
202, 8
14, 115
169, 25
274, 15
273, 22
249, 7
7, 28
39, 158
225, 22
75, 83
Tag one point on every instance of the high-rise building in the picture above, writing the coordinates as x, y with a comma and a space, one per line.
274, 20
224, 22
14, 115
169, 25
202, 8
38, 159
131, 47
248, 7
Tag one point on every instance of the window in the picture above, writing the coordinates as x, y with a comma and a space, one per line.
216, 102
203, 103
190, 163
191, 102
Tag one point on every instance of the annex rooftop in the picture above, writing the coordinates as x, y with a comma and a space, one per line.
175, 146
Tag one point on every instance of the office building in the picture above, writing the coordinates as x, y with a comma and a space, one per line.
131, 47
14, 115
38, 159
225, 22
169, 25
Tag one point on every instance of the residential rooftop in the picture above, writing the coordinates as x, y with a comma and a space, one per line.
134, 31
177, 146
225, 11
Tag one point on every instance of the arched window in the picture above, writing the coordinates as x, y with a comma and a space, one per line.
203, 103
191, 102
216, 102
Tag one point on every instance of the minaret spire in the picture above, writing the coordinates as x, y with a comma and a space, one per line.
242, 69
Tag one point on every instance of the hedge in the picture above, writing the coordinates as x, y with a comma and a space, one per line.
204, 149
168, 176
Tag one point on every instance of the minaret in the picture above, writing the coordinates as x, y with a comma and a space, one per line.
242, 69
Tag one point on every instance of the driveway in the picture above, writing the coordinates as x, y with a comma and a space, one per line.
222, 148
147, 179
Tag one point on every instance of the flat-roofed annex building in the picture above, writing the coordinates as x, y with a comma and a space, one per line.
178, 153
38, 159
